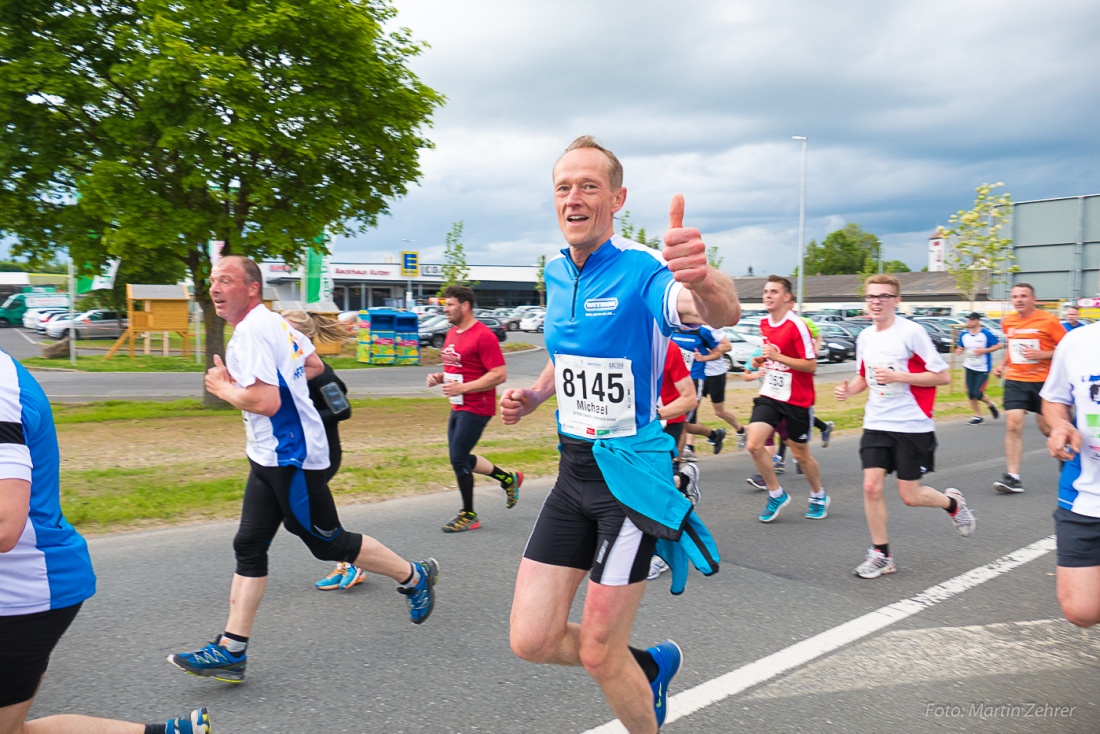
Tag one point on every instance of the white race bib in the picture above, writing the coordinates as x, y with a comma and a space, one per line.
891, 390
974, 361
454, 377
1016, 349
777, 385
689, 358
595, 396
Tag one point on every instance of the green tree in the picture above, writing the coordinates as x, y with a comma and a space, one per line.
455, 269
143, 129
842, 252
627, 230
540, 282
977, 253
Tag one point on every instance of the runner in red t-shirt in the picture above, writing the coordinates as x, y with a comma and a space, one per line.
473, 366
786, 395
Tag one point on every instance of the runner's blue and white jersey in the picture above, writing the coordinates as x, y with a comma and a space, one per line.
265, 348
982, 340
702, 340
1074, 379
607, 329
49, 568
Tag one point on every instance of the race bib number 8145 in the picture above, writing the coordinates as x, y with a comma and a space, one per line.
595, 396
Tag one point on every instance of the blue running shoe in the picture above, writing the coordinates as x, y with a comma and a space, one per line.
819, 507
669, 657
197, 723
775, 504
335, 579
422, 596
353, 576
212, 661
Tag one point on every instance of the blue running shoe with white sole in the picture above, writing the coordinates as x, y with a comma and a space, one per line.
421, 597
198, 722
212, 661
819, 507
669, 658
775, 504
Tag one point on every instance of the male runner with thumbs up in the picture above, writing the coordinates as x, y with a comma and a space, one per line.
264, 375
900, 366
611, 307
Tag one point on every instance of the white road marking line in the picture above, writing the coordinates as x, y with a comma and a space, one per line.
712, 691
32, 341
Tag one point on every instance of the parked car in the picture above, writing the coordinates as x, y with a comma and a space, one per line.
434, 333
946, 322
45, 319
532, 321
740, 353
508, 317
95, 324
750, 331
941, 338
33, 315
495, 326
837, 344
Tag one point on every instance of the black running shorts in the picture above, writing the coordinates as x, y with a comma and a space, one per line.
1078, 539
1023, 396
910, 455
799, 420
581, 524
714, 386
26, 641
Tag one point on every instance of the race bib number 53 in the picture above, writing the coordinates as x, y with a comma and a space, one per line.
595, 396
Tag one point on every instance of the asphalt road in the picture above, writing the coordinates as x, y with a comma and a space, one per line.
987, 652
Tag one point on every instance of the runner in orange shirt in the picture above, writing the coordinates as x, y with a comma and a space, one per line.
1032, 335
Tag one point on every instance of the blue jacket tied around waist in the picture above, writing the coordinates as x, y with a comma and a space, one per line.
637, 472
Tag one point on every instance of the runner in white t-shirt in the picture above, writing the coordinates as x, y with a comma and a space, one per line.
900, 366
267, 366
1071, 406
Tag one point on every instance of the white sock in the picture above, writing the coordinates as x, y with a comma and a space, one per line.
777, 493
415, 577
818, 495
1014, 476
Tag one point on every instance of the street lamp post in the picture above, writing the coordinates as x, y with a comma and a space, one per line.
801, 219
408, 287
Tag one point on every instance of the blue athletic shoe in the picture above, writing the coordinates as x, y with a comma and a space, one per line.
212, 661
775, 504
353, 576
422, 596
334, 579
669, 657
819, 508
198, 722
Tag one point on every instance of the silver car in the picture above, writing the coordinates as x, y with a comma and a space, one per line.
95, 324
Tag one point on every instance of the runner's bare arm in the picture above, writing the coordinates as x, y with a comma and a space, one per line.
683, 404
518, 402
795, 363
488, 381
15, 504
1063, 434
314, 366
921, 379
259, 397
708, 294
848, 388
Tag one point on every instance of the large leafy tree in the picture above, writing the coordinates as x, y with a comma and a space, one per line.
143, 129
842, 252
978, 253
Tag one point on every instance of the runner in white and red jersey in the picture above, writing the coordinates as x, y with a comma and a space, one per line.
786, 394
900, 366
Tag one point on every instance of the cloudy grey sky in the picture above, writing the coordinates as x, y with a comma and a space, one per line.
908, 107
